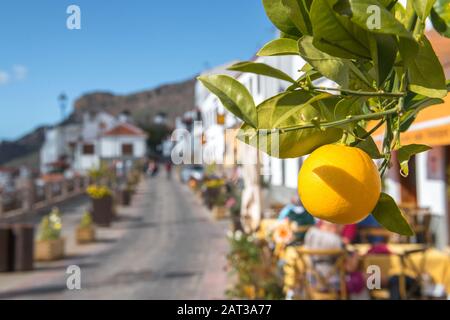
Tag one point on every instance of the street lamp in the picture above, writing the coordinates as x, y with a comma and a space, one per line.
62, 99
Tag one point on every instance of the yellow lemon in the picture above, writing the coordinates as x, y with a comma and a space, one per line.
339, 184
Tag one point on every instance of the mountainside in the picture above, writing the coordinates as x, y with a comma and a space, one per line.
172, 99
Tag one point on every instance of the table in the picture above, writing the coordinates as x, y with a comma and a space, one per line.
428, 260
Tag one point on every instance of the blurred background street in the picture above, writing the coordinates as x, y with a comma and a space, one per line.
163, 247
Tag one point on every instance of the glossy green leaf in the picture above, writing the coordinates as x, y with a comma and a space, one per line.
349, 107
440, 17
295, 109
413, 107
389, 216
299, 14
336, 69
279, 15
359, 11
261, 69
423, 8
384, 50
367, 144
439, 24
406, 152
336, 34
233, 95
425, 73
279, 47
297, 143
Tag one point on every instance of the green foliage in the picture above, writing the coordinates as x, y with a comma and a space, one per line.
86, 220
387, 72
440, 17
406, 152
50, 226
389, 216
253, 269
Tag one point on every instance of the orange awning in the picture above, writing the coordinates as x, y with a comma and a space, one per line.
431, 127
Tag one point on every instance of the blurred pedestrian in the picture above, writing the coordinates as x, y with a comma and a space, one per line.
169, 170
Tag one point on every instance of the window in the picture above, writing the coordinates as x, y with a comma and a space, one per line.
88, 149
127, 149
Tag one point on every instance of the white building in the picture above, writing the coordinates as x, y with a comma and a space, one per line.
280, 174
99, 137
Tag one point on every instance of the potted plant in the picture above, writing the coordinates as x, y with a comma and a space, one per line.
102, 205
219, 209
50, 244
85, 232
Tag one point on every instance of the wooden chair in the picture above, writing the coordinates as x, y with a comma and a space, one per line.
314, 284
421, 223
383, 262
416, 269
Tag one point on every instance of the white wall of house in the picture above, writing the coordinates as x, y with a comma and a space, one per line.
95, 124
432, 193
111, 146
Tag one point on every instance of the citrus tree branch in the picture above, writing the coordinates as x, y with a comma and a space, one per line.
331, 124
362, 93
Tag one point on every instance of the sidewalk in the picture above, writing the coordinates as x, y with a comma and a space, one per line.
165, 246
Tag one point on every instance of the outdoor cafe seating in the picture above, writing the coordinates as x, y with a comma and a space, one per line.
406, 258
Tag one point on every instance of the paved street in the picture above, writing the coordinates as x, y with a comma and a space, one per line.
165, 246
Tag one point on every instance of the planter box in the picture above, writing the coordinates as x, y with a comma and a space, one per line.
124, 198
23, 247
219, 213
102, 211
85, 235
6, 249
49, 250
16, 247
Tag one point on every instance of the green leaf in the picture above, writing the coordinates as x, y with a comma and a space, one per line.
440, 17
349, 107
233, 95
336, 34
359, 12
336, 69
299, 14
389, 216
439, 24
413, 107
292, 111
279, 47
425, 73
293, 144
279, 15
383, 49
406, 152
367, 145
423, 8
261, 69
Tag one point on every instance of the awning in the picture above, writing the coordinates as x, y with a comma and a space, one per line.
431, 127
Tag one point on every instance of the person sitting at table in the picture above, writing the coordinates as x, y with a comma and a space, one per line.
295, 212
327, 236
324, 236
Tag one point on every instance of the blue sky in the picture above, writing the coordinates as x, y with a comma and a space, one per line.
124, 46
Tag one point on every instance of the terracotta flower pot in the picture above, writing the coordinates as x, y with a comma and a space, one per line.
102, 211
219, 212
85, 235
49, 250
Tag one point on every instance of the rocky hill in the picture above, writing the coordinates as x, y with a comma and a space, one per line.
173, 99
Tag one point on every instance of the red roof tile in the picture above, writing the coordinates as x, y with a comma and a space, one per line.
125, 129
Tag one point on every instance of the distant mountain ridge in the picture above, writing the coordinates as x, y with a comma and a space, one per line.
173, 99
